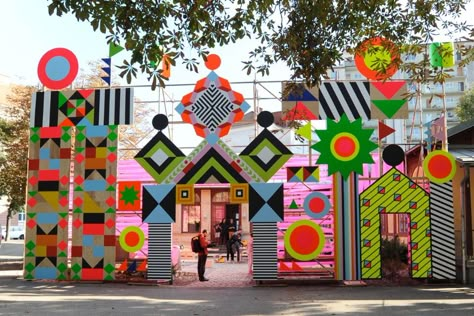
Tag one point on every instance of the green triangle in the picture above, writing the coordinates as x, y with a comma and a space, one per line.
110, 210
62, 99
293, 205
114, 49
30, 254
300, 174
62, 254
28, 277
389, 107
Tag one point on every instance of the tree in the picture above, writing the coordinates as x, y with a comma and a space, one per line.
310, 36
465, 107
14, 137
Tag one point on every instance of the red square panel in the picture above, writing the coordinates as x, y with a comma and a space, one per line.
92, 274
33, 164
93, 229
109, 240
76, 251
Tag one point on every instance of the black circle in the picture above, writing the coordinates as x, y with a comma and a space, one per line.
265, 119
160, 121
393, 155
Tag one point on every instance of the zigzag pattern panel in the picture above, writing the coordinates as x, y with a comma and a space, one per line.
94, 201
159, 251
47, 203
442, 231
265, 258
213, 107
350, 98
113, 106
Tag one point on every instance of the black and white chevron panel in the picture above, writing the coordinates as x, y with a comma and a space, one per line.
351, 98
442, 231
113, 106
159, 251
265, 260
213, 107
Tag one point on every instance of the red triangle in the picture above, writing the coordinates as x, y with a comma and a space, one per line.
388, 88
142, 266
86, 93
123, 266
299, 112
295, 267
284, 267
384, 130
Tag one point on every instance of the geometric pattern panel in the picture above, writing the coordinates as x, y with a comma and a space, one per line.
159, 203
159, 251
442, 231
395, 193
239, 193
346, 227
266, 154
159, 157
212, 107
94, 203
184, 194
265, 252
213, 163
302, 174
129, 196
300, 94
82, 107
350, 98
388, 100
265, 202
47, 203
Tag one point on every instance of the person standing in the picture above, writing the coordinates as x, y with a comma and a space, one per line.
202, 255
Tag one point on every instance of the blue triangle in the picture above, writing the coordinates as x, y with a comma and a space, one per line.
266, 215
108, 61
294, 179
158, 216
265, 190
159, 192
306, 96
106, 70
106, 79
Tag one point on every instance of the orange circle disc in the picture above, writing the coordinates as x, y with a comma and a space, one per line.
213, 62
375, 50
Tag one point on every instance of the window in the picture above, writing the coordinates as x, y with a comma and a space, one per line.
461, 86
21, 216
403, 220
191, 215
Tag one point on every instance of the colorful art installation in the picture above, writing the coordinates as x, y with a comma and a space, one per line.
302, 174
390, 194
300, 103
442, 55
375, 54
388, 100
442, 231
344, 146
344, 98
57, 68
46, 235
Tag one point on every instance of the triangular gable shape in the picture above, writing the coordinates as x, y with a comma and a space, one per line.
388, 88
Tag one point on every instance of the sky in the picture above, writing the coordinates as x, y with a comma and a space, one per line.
28, 32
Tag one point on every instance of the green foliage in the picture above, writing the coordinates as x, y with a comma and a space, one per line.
309, 36
465, 107
394, 250
14, 137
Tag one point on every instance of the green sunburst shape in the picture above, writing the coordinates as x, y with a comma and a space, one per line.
352, 162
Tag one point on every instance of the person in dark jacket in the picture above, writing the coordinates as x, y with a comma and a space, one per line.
202, 255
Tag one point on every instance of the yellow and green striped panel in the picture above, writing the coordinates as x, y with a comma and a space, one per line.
395, 193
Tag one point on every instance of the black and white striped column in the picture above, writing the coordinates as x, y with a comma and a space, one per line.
159, 251
265, 260
442, 231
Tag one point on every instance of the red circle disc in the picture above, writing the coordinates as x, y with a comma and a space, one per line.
304, 239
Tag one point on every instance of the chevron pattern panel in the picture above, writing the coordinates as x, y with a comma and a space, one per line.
159, 252
350, 98
395, 193
346, 230
442, 230
82, 107
94, 203
47, 203
265, 259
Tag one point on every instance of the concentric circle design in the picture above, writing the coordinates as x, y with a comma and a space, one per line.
375, 54
304, 240
57, 68
316, 205
439, 166
132, 239
345, 146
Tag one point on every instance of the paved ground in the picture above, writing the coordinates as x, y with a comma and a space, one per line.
230, 291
